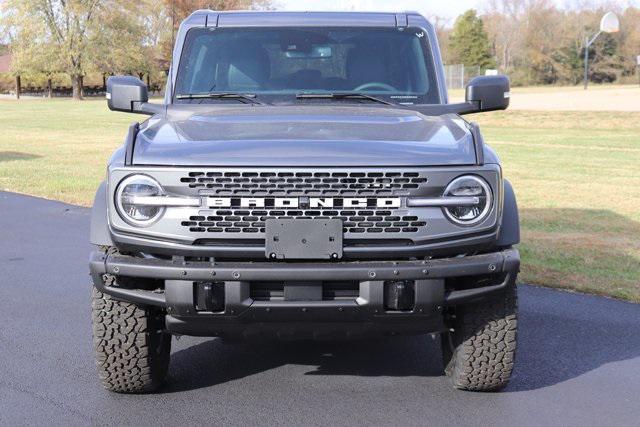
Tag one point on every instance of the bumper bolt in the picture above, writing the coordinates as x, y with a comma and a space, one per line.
273, 255
425, 271
372, 274
184, 273
492, 267
334, 256
304, 310
213, 273
236, 275
116, 269
396, 272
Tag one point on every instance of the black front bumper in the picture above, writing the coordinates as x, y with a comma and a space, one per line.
361, 315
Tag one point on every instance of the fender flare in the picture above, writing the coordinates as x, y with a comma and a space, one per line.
99, 232
509, 234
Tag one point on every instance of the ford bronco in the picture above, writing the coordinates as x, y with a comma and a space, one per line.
304, 177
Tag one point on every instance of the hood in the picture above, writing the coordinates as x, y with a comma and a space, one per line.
293, 136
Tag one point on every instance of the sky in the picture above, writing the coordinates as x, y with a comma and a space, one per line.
446, 9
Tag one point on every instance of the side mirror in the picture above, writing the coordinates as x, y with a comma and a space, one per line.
488, 93
129, 94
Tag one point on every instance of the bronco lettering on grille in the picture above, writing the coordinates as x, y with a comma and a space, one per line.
303, 202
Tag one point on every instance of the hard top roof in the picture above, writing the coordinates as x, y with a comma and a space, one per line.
210, 18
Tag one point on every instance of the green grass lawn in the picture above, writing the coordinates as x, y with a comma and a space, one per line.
576, 175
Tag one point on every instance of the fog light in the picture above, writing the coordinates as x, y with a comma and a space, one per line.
209, 296
399, 295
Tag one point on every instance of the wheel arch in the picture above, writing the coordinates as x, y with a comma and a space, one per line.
510, 228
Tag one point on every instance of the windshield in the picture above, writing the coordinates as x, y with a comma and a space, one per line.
389, 63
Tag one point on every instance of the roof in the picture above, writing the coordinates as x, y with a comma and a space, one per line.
210, 18
5, 63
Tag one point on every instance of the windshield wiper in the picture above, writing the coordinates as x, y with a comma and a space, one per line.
242, 97
342, 95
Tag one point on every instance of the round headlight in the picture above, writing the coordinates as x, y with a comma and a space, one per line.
131, 188
469, 186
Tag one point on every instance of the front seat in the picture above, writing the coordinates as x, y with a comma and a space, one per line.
366, 65
249, 68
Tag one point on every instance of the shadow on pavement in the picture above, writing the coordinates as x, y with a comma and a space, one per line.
214, 362
552, 348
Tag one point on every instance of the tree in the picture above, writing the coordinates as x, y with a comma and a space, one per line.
30, 58
175, 11
62, 27
469, 43
78, 36
630, 39
606, 64
123, 45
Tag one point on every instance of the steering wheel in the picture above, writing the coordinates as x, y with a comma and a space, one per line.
372, 85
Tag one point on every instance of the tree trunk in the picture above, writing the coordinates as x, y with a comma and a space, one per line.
104, 83
76, 85
49, 89
18, 87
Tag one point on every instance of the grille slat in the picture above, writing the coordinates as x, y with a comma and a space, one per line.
247, 221
307, 183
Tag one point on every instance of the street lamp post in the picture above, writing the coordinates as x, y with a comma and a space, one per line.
608, 24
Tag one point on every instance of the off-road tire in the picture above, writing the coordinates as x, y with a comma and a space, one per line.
132, 352
479, 353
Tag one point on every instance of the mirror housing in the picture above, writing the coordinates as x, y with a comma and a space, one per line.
129, 94
483, 93
488, 93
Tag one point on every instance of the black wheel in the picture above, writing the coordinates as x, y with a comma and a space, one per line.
479, 352
132, 351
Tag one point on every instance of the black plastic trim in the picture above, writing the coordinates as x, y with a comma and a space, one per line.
478, 142
130, 142
509, 233
465, 296
446, 247
507, 261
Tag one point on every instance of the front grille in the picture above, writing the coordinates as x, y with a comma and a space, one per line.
304, 183
253, 221
360, 222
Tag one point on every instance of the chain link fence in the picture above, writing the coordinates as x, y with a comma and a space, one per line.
457, 75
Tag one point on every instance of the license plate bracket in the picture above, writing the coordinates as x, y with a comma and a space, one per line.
303, 238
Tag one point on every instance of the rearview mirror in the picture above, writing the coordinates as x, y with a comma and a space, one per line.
314, 52
129, 94
488, 93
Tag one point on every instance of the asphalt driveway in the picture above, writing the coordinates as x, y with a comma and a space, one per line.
578, 360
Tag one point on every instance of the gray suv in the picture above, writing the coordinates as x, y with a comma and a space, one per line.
304, 177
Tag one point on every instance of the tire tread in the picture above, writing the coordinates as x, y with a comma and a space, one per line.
484, 344
132, 356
